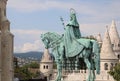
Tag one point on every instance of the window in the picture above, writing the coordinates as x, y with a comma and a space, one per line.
118, 56
106, 66
115, 64
47, 67
118, 45
44, 66
112, 45
111, 66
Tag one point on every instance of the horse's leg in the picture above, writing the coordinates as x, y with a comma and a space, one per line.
57, 73
76, 63
93, 75
59, 70
60, 53
68, 64
87, 62
93, 72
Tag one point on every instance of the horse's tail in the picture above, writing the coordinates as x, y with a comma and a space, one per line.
96, 52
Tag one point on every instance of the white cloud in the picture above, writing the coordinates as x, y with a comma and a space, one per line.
27, 46
33, 5
27, 34
82, 7
94, 29
96, 12
27, 40
33, 32
36, 46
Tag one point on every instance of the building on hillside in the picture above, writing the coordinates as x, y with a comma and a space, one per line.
23, 61
108, 56
6, 45
15, 62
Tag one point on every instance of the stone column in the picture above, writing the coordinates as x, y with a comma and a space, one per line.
0, 56
7, 52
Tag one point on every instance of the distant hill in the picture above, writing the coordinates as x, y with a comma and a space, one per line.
37, 55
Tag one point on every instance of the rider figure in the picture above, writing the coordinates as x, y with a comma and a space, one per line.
73, 25
72, 33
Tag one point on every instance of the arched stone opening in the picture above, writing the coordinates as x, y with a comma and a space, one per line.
106, 66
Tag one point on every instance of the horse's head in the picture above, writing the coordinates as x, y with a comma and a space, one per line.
49, 39
45, 40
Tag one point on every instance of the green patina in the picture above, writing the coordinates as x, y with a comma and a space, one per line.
69, 47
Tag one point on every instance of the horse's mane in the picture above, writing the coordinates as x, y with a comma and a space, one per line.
52, 35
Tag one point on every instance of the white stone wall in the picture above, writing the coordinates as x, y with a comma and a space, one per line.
82, 75
102, 64
46, 68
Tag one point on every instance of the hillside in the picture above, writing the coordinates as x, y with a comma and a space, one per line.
37, 55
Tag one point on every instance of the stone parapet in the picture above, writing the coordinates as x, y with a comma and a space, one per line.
81, 75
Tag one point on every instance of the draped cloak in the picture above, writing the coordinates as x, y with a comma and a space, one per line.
72, 46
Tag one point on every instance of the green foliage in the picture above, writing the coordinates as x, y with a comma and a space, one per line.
34, 65
115, 72
24, 74
36, 74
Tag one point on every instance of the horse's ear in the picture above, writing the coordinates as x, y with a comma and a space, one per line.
41, 35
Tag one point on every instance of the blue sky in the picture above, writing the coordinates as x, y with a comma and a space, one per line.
30, 18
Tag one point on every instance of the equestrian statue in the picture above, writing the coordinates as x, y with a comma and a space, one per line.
68, 48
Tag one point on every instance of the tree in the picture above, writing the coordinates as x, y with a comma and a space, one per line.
34, 65
23, 73
115, 72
